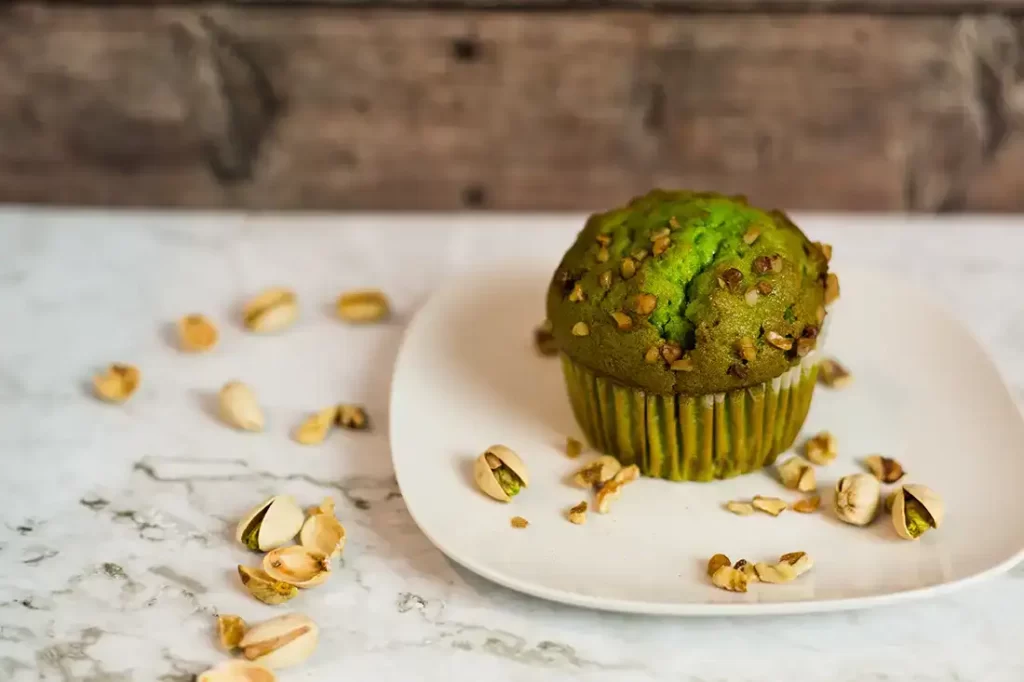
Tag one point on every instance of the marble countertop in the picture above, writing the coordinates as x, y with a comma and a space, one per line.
116, 528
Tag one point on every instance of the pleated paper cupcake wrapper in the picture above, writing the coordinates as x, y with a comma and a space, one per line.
692, 438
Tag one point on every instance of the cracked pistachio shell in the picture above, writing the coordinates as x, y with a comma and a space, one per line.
281, 642
271, 310
297, 565
484, 475
263, 587
857, 499
238, 671
928, 498
270, 524
323, 532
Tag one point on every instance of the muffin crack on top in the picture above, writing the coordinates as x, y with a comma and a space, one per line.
689, 293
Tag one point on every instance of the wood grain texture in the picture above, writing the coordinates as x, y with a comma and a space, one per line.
315, 108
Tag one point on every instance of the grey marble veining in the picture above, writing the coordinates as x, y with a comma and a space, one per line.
116, 542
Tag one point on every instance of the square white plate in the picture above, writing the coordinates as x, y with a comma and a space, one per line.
924, 392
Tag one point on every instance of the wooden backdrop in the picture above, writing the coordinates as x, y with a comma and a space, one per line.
544, 104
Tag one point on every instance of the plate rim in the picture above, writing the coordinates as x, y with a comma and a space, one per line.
694, 609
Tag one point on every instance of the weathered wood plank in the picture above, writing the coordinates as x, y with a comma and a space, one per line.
375, 109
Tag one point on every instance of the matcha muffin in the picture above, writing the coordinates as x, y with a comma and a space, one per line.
688, 324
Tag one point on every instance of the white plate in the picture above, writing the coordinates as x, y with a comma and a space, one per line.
924, 392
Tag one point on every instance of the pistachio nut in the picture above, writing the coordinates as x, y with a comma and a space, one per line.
578, 513
263, 587
271, 311
117, 384
822, 448
716, 562
237, 671
353, 417
916, 509
298, 565
857, 499
229, 631
518, 522
613, 488
500, 473
885, 469
730, 579
833, 374
239, 407
573, 447
808, 505
740, 508
363, 305
323, 533
270, 524
598, 472
797, 474
316, 427
196, 333
747, 569
544, 339
769, 505
281, 642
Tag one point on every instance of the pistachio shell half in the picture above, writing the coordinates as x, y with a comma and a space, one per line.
281, 642
500, 473
270, 524
916, 509
238, 671
271, 310
363, 305
297, 565
265, 588
316, 427
324, 533
239, 407
117, 384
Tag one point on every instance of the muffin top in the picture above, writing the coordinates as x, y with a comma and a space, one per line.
686, 292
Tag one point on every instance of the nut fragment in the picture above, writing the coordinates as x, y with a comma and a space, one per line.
728, 578
603, 239
673, 223
671, 351
323, 532
500, 473
915, 510
613, 488
628, 268
752, 296
353, 417
622, 320
573, 447
598, 472
740, 508
805, 345
660, 246
822, 448
885, 469
605, 279
237, 671
639, 255
578, 513
807, 505
769, 505
263, 587
271, 311
745, 349
833, 374
316, 427
644, 304
602, 255
196, 333
544, 340
826, 250
239, 407
652, 355
298, 565
716, 562
831, 288
778, 340
281, 642
229, 631
747, 569
775, 573
683, 364
764, 264
576, 295
519, 522
800, 561
737, 370
797, 474
751, 235
856, 499
580, 329
732, 278
270, 524
117, 384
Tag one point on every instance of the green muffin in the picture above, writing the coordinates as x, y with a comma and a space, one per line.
687, 324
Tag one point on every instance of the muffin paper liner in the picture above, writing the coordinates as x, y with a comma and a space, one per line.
692, 437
